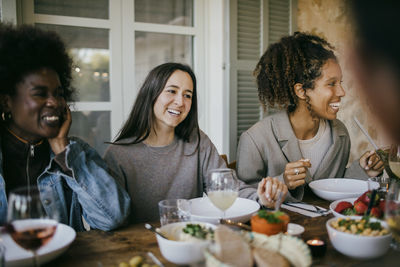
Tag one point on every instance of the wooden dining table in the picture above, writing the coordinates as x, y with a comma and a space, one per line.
97, 248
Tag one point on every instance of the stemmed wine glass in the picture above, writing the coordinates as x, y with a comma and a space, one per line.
27, 221
222, 188
392, 213
394, 161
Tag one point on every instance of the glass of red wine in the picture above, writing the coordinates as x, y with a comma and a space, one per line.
28, 223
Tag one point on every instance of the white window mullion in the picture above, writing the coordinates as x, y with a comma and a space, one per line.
116, 67
129, 91
27, 12
163, 28
73, 21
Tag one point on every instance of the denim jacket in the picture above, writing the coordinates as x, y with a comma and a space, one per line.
90, 192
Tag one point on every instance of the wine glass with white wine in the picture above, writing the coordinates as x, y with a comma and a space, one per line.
394, 160
222, 188
392, 213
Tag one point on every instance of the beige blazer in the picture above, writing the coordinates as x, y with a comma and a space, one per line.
266, 148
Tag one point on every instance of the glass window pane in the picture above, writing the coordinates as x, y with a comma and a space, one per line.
152, 49
93, 127
91, 57
75, 8
173, 12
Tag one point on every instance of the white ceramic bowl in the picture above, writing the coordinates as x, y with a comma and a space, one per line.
181, 252
240, 211
356, 246
338, 188
333, 205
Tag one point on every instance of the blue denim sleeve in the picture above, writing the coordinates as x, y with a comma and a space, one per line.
105, 204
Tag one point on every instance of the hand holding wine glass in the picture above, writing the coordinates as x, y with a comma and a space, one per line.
392, 213
27, 222
222, 188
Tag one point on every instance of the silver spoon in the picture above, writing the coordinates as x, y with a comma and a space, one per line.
155, 230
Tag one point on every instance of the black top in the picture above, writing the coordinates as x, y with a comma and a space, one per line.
17, 155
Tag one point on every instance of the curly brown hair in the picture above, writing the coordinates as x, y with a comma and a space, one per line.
294, 59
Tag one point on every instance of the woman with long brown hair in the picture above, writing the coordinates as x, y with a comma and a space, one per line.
160, 152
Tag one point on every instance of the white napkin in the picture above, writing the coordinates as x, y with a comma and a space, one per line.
304, 212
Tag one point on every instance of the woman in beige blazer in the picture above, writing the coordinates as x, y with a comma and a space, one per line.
304, 141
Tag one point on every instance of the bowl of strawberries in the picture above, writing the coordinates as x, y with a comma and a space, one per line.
358, 206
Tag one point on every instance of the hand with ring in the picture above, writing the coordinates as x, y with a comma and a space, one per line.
269, 189
295, 173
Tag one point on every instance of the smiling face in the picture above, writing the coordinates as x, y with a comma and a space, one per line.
174, 103
327, 92
37, 107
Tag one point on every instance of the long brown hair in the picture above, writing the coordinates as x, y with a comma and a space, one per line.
141, 118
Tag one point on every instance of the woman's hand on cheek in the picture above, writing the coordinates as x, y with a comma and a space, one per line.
60, 142
371, 163
269, 190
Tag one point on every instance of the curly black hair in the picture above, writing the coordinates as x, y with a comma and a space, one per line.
294, 59
25, 49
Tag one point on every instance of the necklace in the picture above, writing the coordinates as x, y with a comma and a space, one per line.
23, 140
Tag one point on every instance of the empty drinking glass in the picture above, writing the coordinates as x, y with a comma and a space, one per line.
174, 210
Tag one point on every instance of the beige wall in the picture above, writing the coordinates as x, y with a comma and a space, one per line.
331, 20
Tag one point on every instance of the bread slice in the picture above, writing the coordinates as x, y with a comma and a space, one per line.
231, 248
267, 258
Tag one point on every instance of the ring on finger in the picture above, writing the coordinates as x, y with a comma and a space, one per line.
296, 171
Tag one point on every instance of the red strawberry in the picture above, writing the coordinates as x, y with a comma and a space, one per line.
360, 208
341, 206
363, 198
376, 212
382, 205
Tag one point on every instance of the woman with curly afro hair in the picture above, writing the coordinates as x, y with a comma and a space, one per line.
35, 75
300, 75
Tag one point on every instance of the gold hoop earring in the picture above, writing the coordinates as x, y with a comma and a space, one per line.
5, 116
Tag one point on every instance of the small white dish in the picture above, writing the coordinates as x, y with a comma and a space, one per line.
333, 205
182, 252
295, 229
357, 246
17, 256
338, 188
204, 211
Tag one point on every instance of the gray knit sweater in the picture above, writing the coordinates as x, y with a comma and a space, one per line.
150, 174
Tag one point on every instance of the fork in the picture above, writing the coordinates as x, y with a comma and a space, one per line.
317, 210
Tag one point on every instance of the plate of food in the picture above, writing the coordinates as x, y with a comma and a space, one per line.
356, 207
339, 188
17, 256
245, 248
240, 211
